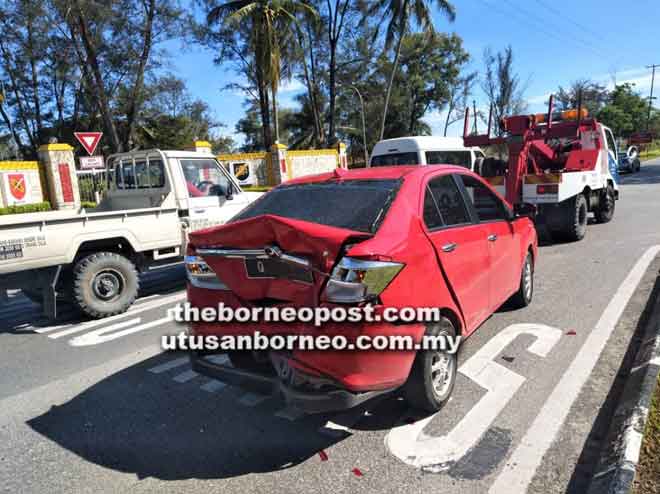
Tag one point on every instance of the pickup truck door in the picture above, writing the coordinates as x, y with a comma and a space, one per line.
213, 196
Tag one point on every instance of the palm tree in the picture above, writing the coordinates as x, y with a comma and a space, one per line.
268, 19
401, 12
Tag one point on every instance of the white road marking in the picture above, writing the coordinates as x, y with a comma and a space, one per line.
409, 443
104, 335
185, 376
524, 461
252, 399
290, 413
170, 365
72, 328
213, 386
218, 359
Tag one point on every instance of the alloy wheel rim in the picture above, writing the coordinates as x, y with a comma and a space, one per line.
528, 280
442, 370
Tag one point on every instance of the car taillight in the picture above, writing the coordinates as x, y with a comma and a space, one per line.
357, 280
547, 189
200, 273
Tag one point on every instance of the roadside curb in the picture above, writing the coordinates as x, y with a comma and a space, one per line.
619, 458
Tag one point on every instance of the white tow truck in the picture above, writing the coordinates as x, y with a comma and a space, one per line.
564, 163
91, 258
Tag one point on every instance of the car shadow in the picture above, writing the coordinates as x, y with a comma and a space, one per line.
136, 421
19, 315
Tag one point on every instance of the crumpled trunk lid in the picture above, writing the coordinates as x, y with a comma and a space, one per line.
270, 260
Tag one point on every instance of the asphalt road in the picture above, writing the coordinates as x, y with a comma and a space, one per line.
97, 407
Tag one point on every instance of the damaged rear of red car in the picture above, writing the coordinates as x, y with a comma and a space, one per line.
390, 237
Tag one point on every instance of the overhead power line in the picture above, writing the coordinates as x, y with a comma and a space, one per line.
568, 18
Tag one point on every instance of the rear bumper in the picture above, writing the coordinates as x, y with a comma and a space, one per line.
307, 401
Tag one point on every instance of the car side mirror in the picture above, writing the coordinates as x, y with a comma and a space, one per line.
524, 210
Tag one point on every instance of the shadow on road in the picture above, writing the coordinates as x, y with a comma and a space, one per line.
139, 422
648, 175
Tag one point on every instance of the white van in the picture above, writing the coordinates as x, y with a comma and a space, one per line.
424, 150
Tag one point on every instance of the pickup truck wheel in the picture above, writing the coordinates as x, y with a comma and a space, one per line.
433, 374
104, 284
605, 210
523, 297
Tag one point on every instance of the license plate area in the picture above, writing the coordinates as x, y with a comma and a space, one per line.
276, 269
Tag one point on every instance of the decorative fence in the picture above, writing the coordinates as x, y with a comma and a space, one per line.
92, 184
279, 165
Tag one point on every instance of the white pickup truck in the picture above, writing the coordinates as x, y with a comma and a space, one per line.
91, 258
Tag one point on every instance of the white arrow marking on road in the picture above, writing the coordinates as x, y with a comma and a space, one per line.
521, 466
409, 443
101, 335
92, 324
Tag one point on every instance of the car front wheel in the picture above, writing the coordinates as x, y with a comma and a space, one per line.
433, 373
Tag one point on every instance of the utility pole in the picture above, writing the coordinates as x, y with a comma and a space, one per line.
648, 119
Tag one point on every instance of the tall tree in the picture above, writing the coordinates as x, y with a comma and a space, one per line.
401, 15
502, 85
267, 19
594, 95
459, 93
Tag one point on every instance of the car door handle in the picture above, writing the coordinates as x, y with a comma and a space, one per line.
449, 247
492, 237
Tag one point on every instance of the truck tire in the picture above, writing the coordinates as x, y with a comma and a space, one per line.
104, 284
605, 211
576, 214
433, 373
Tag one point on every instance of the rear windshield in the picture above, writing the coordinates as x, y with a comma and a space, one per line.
359, 205
460, 158
395, 159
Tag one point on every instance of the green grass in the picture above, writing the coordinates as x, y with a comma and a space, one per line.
651, 152
26, 208
256, 188
648, 471
650, 155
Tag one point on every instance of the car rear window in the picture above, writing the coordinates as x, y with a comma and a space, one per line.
359, 205
395, 159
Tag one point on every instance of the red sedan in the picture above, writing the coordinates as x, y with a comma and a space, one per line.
409, 236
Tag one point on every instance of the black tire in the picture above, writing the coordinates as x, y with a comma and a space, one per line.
523, 297
419, 390
605, 211
638, 165
576, 215
104, 284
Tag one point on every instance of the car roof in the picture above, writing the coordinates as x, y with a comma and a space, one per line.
376, 173
404, 144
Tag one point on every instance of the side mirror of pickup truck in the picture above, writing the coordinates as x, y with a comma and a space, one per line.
524, 210
229, 192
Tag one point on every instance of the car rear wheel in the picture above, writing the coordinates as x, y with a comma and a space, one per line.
523, 297
433, 373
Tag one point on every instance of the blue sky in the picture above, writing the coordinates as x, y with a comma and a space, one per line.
554, 42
